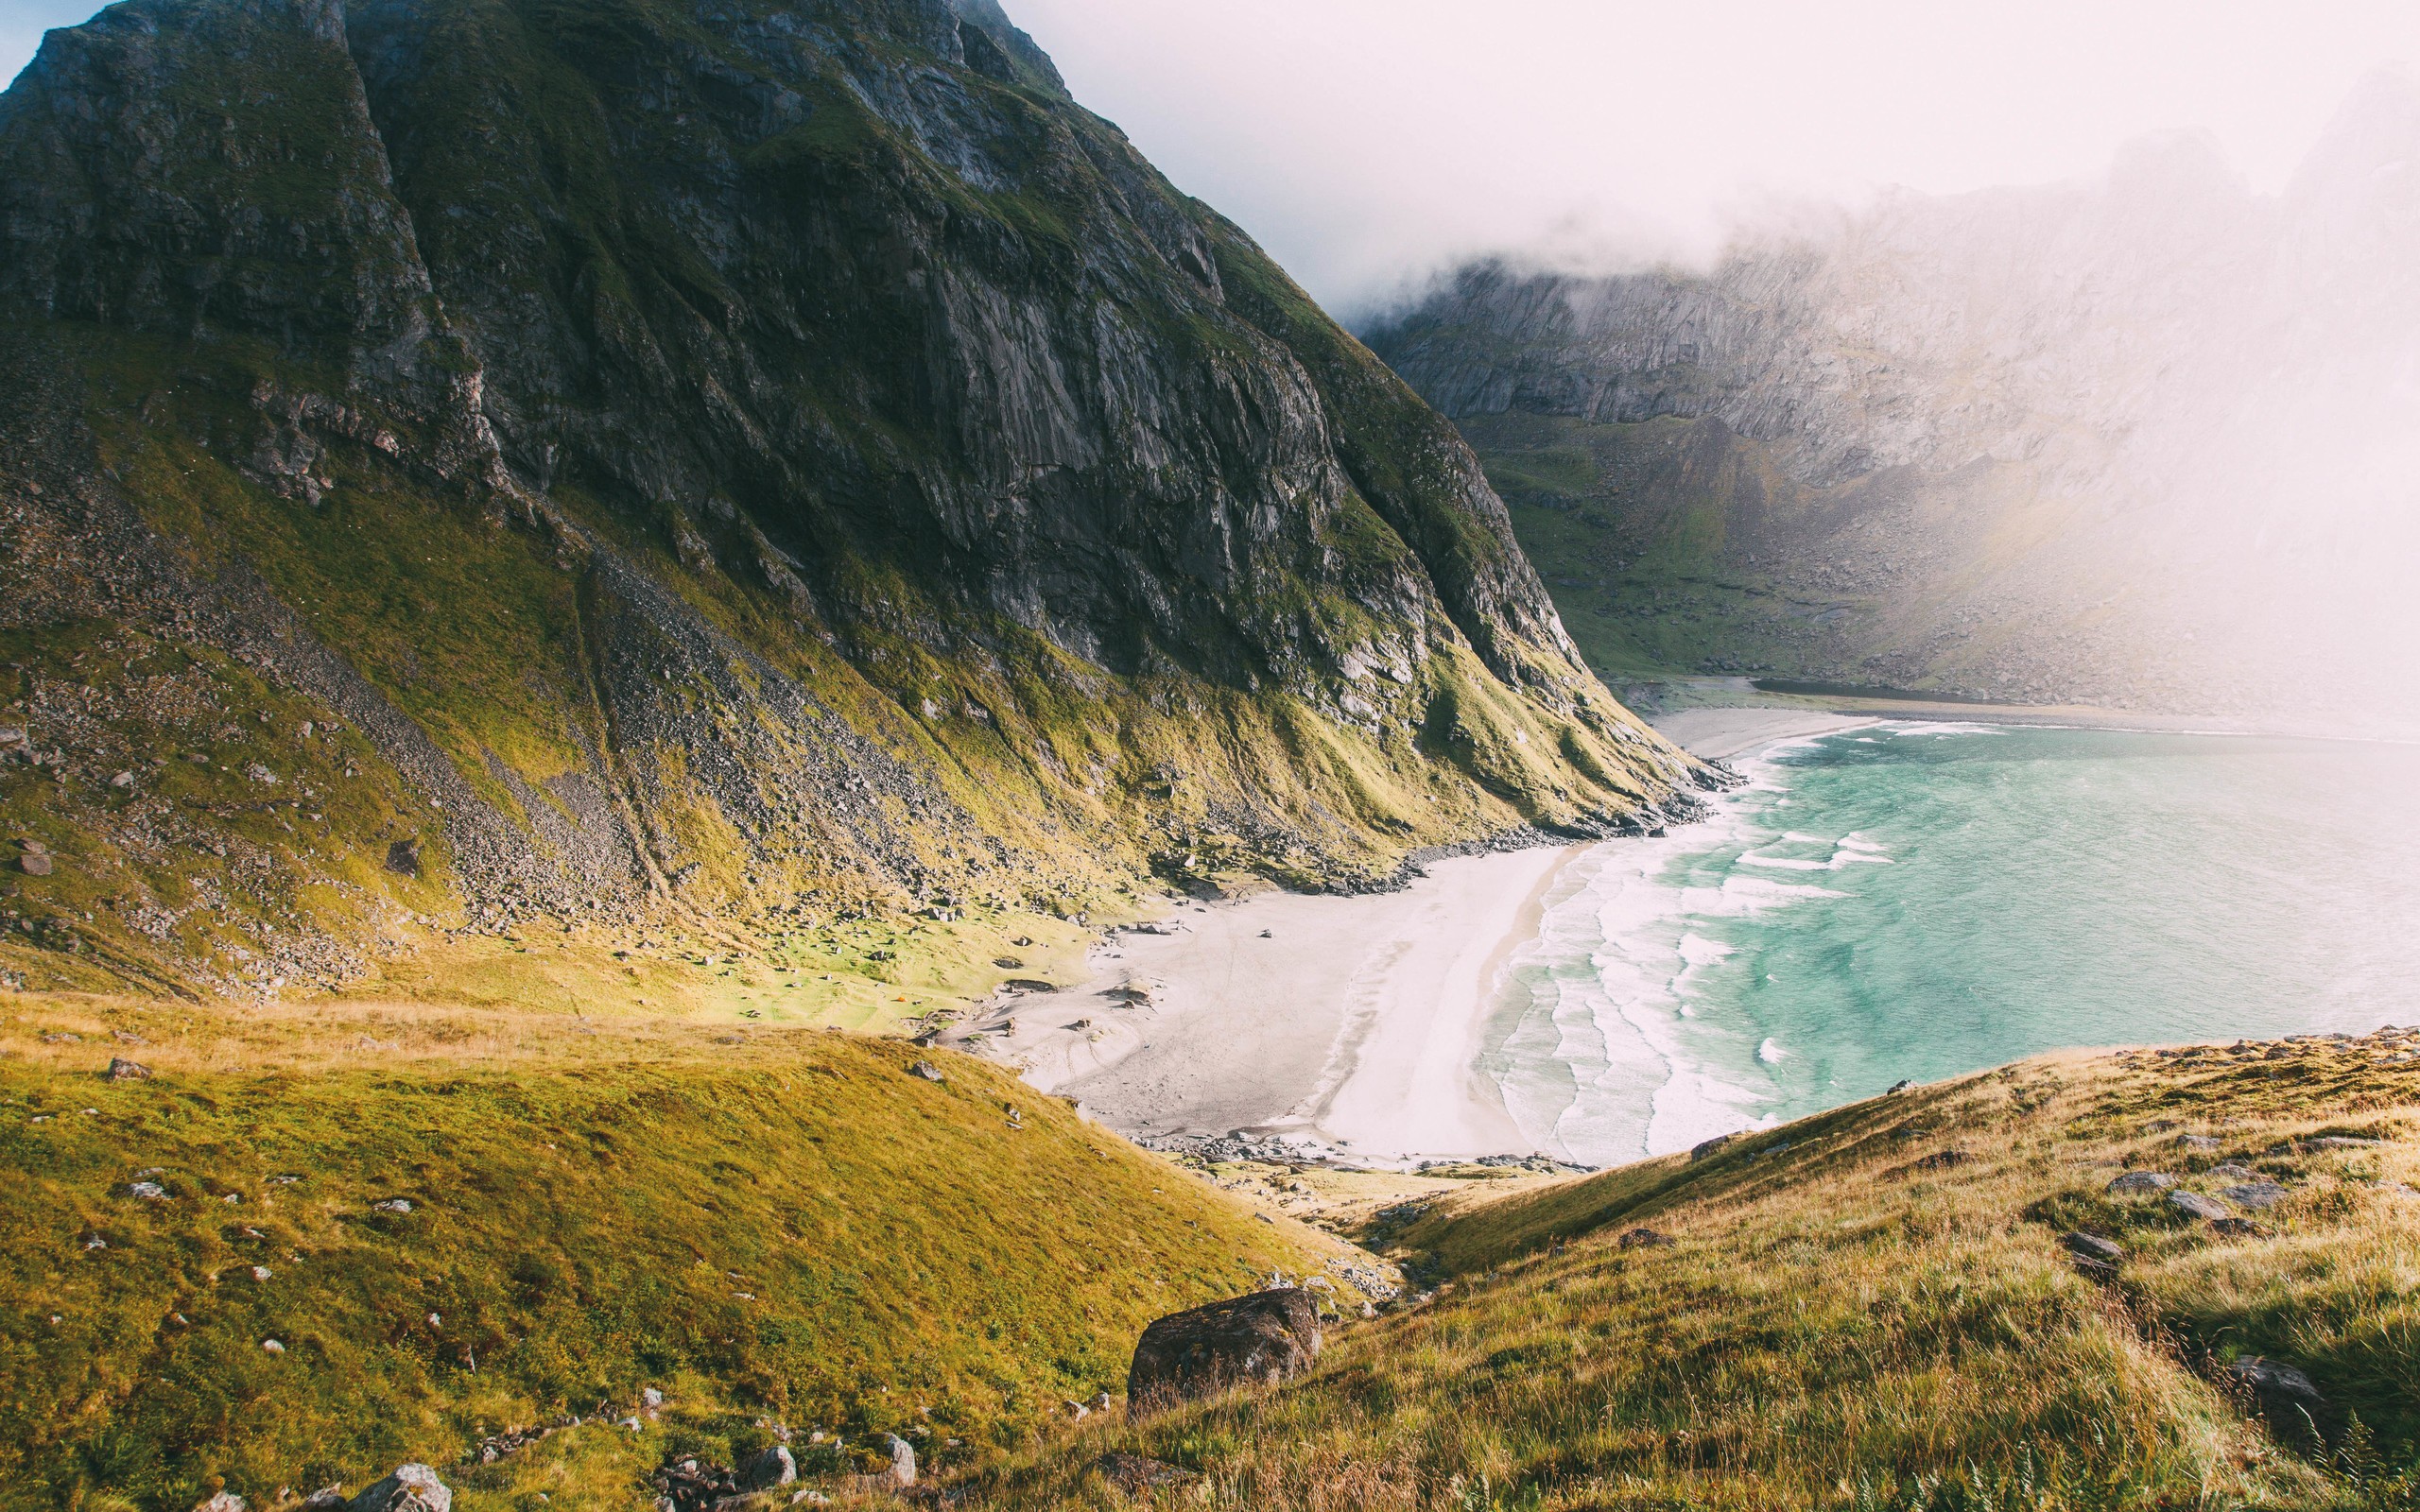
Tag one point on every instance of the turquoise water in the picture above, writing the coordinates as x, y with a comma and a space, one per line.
1925, 900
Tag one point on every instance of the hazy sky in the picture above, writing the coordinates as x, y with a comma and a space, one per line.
1363, 140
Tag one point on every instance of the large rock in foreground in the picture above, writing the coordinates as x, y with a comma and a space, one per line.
1266, 1336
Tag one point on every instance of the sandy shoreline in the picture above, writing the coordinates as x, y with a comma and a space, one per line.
1716, 733
1353, 1022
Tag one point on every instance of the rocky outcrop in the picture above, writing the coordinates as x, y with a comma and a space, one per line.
878, 476
2129, 441
410, 1488
1264, 1337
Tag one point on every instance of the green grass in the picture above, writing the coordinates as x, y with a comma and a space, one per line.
1837, 1327
532, 169
484, 639
1643, 534
788, 1228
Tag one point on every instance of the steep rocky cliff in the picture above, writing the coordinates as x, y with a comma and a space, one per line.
476, 461
2142, 439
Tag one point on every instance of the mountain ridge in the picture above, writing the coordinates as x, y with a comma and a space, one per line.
2134, 441
874, 482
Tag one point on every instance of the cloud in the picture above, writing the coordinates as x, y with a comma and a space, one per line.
1366, 141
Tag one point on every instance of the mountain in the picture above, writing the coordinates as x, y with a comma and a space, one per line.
477, 464
2139, 440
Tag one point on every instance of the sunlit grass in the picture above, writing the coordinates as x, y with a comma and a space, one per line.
770, 1224
1835, 1326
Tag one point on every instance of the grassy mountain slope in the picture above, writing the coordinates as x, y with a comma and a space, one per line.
702, 470
769, 1226
1677, 546
1849, 1316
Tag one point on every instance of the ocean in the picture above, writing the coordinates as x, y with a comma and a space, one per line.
1922, 900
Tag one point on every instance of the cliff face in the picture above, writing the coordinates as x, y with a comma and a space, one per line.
710, 456
2138, 440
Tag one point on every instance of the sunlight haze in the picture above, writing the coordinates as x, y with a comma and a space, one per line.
1367, 141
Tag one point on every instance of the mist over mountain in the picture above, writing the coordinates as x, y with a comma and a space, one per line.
2147, 440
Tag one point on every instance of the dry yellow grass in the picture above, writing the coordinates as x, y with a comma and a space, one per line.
771, 1224
1836, 1325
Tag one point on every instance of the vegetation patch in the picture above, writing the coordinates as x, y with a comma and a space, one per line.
451, 1225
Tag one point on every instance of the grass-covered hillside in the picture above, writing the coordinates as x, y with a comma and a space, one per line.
458, 1221
1882, 1307
1677, 546
493, 464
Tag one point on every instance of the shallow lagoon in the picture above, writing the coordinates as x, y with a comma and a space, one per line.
1921, 900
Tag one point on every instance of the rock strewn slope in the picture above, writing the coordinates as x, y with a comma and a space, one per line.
1979, 1292
702, 458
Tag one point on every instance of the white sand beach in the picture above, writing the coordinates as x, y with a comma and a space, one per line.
1354, 1021
1716, 733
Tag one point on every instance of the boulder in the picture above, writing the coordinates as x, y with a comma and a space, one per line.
899, 1477
223, 1502
2197, 1143
34, 864
1643, 1239
2198, 1205
2093, 1257
2284, 1395
2255, 1195
403, 858
1264, 1337
1710, 1147
772, 1468
124, 1070
2143, 1181
2237, 1229
926, 1070
410, 1488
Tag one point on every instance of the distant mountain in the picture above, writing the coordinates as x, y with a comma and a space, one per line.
2145, 440
472, 461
